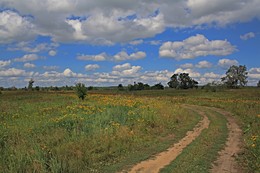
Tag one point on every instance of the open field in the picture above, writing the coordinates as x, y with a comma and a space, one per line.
112, 131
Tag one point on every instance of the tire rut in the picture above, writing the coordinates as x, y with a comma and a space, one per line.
164, 158
226, 161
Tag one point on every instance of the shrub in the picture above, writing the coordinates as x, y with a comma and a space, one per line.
81, 90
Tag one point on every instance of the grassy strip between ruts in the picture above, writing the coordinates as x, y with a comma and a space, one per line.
200, 154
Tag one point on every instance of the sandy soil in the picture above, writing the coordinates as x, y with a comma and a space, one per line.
226, 161
162, 159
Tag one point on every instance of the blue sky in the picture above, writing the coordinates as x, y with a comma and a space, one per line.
104, 43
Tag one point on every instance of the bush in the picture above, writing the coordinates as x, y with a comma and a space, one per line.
81, 90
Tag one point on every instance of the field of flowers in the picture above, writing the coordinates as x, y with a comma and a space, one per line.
57, 132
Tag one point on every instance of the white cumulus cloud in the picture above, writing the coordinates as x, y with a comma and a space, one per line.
126, 70
92, 67
226, 63
4, 63
100, 57
29, 65
204, 64
14, 27
196, 46
247, 36
122, 56
28, 57
52, 52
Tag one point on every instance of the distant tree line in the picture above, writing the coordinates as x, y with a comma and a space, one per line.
236, 77
140, 86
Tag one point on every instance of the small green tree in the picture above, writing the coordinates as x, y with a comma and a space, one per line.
81, 90
258, 84
235, 76
30, 84
120, 87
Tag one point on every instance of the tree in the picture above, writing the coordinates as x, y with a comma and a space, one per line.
174, 83
258, 84
30, 84
158, 86
81, 90
37, 88
120, 87
235, 76
182, 81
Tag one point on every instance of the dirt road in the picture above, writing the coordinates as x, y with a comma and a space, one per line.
166, 157
226, 161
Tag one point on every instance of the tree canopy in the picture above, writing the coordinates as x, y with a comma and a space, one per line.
235, 76
182, 81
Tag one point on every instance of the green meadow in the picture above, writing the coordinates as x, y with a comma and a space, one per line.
110, 131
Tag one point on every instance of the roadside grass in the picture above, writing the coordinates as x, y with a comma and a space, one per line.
56, 132
243, 103
200, 154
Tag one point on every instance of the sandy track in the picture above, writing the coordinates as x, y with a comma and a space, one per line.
226, 161
166, 157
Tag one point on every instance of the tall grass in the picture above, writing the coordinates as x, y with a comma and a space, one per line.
56, 132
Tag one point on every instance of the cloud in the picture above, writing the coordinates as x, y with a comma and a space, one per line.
68, 73
107, 23
212, 75
100, 57
52, 52
136, 42
204, 64
14, 27
50, 67
29, 65
4, 63
192, 73
28, 57
226, 63
32, 48
14, 72
126, 70
155, 42
92, 67
247, 36
221, 12
254, 73
122, 67
122, 56
196, 46
187, 65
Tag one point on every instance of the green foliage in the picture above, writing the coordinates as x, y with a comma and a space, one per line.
182, 81
120, 87
158, 86
37, 88
214, 87
138, 86
235, 76
90, 88
81, 90
30, 84
258, 84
